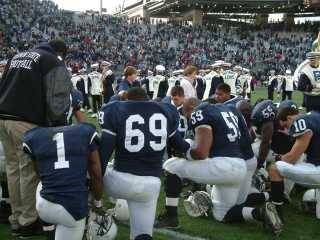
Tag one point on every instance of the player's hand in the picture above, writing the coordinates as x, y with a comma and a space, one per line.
177, 153
98, 208
100, 211
190, 141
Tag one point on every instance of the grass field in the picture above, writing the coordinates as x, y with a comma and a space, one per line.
299, 226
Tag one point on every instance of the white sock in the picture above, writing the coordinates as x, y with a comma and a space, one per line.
172, 202
247, 214
266, 195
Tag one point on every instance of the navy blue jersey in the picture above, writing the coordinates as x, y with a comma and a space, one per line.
224, 123
306, 123
76, 100
61, 156
287, 103
183, 123
263, 112
140, 130
234, 100
245, 139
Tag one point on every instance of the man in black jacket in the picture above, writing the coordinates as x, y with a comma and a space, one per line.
34, 91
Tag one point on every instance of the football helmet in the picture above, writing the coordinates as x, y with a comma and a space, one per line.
121, 210
309, 201
101, 227
198, 204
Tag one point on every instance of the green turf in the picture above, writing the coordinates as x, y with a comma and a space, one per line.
299, 226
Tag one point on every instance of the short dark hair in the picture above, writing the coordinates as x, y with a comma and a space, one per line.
128, 71
177, 91
285, 112
137, 94
59, 45
224, 88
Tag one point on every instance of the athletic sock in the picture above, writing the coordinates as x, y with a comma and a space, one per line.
173, 187
5, 191
257, 198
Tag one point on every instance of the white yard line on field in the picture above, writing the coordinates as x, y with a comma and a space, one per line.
177, 235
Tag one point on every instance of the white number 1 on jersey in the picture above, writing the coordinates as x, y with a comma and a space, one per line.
61, 163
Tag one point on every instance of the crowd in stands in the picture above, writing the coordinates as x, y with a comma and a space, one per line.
24, 23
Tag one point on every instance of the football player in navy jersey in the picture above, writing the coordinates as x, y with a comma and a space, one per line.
271, 138
263, 116
217, 147
305, 129
177, 99
75, 107
243, 210
223, 95
138, 130
62, 157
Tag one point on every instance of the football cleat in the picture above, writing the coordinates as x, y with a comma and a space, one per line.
166, 221
272, 218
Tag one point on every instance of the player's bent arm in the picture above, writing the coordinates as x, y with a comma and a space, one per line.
80, 116
107, 146
94, 167
178, 143
203, 142
266, 134
300, 146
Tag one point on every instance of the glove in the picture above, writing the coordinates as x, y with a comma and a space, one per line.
190, 141
98, 208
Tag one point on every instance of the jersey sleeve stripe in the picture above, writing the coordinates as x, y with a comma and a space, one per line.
172, 134
24, 145
301, 133
204, 126
93, 136
109, 132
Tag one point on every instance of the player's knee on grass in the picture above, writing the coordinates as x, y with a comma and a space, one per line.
234, 215
143, 237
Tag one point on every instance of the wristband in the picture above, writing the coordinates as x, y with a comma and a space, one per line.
277, 158
98, 204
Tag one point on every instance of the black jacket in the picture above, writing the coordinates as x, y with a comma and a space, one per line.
35, 88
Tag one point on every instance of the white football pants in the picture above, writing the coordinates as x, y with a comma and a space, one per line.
288, 184
67, 228
305, 174
141, 193
227, 174
246, 185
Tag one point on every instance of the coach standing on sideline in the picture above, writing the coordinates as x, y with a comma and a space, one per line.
34, 91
